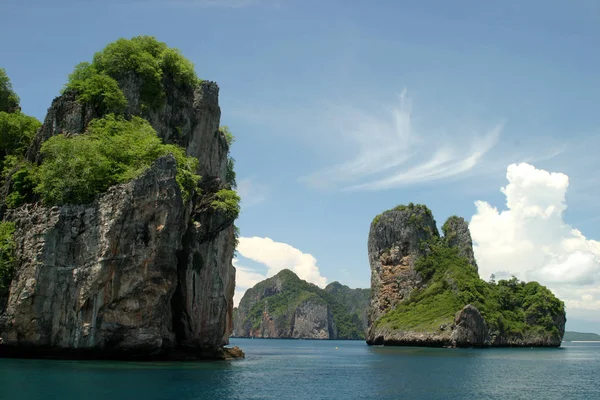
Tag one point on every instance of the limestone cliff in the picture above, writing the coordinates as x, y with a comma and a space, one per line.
456, 232
425, 290
139, 272
355, 301
284, 306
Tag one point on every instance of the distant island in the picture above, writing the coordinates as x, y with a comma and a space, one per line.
581, 337
426, 290
285, 306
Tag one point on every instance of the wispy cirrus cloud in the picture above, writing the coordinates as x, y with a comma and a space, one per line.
252, 192
211, 3
390, 152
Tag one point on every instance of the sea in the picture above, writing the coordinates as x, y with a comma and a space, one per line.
313, 369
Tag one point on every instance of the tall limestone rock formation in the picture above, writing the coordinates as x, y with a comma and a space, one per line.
426, 291
456, 232
139, 272
394, 245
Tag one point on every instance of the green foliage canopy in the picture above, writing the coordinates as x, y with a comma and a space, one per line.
112, 151
227, 201
151, 60
97, 88
7, 260
9, 101
16, 132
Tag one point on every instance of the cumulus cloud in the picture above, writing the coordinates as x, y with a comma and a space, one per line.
531, 240
390, 153
244, 278
275, 256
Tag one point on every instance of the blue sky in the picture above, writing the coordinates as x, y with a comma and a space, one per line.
342, 109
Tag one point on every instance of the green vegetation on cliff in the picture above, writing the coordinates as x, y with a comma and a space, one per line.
227, 201
450, 282
230, 177
112, 151
16, 132
74, 169
150, 60
7, 261
416, 213
9, 101
96, 88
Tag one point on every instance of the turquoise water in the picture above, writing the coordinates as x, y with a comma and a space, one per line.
306, 369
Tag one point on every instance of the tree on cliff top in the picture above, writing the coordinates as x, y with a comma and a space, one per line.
9, 101
96, 83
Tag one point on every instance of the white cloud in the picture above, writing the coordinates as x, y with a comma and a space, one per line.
251, 192
275, 256
390, 153
245, 278
531, 240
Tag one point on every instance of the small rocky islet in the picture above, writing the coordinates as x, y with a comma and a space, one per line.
128, 254
426, 290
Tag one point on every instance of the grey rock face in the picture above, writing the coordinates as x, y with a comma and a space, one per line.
204, 297
470, 329
394, 244
136, 272
311, 320
99, 276
457, 234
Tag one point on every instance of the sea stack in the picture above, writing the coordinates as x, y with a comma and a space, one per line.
426, 290
142, 271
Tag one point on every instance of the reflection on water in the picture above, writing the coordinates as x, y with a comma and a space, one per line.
305, 369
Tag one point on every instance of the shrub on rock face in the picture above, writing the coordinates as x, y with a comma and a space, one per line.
7, 261
112, 151
230, 176
227, 201
16, 132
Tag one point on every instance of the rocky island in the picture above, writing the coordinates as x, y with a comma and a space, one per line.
426, 290
117, 231
287, 307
